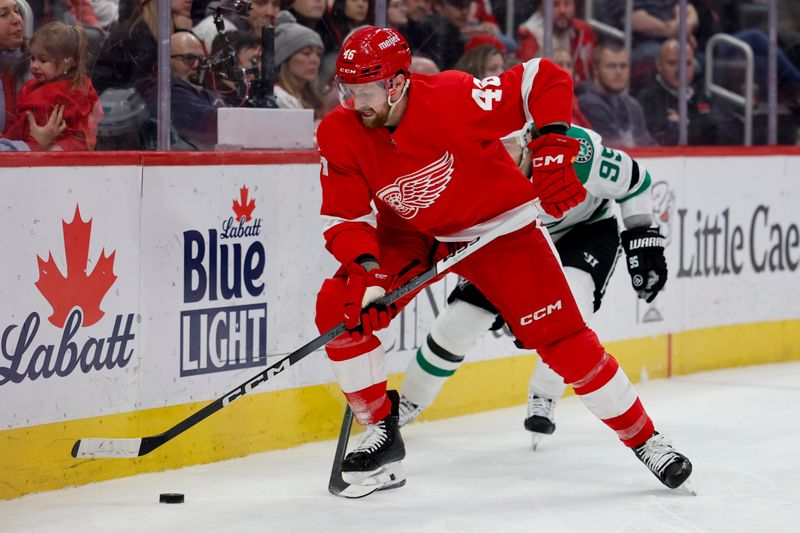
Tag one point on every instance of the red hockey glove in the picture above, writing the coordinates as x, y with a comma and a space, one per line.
363, 288
554, 176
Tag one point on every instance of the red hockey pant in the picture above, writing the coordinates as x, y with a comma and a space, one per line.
520, 274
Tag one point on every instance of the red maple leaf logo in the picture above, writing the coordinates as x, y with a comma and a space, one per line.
76, 289
243, 208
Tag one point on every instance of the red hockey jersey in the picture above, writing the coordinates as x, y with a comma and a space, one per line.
443, 169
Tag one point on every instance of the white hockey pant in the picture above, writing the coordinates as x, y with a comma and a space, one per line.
455, 331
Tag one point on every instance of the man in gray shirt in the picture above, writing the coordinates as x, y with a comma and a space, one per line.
605, 102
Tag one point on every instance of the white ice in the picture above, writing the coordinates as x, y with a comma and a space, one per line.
739, 427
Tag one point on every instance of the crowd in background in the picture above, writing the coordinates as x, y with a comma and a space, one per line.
87, 79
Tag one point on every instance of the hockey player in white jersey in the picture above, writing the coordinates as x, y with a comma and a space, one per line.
587, 239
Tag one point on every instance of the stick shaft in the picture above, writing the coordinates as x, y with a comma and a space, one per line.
125, 448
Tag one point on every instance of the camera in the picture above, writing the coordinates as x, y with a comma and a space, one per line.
252, 86
242, 7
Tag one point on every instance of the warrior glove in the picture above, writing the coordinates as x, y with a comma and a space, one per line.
363, 288
644, 249
554, 177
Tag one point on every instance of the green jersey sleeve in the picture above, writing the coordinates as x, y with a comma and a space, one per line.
605, 172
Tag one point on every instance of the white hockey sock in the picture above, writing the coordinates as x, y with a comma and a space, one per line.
545, 382
455, 331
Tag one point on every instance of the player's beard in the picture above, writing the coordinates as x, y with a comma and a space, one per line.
377, 119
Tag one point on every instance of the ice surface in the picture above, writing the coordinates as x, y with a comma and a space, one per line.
740, 428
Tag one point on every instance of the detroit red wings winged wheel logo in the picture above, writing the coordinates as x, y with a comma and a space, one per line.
418, 190
78, 288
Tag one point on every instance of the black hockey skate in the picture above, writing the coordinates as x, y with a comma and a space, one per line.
541, 413
376, 460
669, 466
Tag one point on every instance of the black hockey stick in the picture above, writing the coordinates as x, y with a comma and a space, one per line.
337, 485
137, 447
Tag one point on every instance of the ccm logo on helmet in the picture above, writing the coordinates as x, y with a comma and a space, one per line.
540, 314
393, 39
547, 160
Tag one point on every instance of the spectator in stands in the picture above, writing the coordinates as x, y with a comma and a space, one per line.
446, 38
58, 55
418, 30
262, 14
789, 29
232, 86
181, 14
482, 60
346, 15
13, 64
523, 9
312, 14
611, 12
13, 68
397, 15
424, 65
722, 16
67, 11
128, 57
194, 109
569, 33
710, 123
563, 58
106, 11
298, 51
613, 113
655, 21
482, 22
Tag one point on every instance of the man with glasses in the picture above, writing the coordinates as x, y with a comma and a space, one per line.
194, 112
606, 104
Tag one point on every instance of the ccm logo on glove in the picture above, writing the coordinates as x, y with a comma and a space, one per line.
547, 160
554, 177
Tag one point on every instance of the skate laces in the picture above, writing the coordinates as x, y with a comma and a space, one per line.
372, 438
538, 406
656, 453
407, 410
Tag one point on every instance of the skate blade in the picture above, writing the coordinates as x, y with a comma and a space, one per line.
389, 476
536, 439
688, 486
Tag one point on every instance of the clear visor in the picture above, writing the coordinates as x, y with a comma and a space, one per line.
362, 95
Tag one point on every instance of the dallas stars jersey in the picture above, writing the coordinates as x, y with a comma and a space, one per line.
609, 176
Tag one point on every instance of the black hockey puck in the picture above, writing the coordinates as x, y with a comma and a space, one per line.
170, 497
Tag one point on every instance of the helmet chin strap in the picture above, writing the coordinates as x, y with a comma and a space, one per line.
393, 104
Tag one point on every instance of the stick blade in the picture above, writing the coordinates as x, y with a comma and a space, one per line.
340, 487
107, 448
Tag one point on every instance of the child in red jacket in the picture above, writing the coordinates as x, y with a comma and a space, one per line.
58, 52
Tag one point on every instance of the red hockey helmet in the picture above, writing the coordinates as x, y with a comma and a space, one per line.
372, 54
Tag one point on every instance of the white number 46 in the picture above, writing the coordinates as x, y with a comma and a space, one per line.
484, 97
349, 54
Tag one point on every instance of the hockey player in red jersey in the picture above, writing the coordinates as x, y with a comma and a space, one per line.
413, 165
